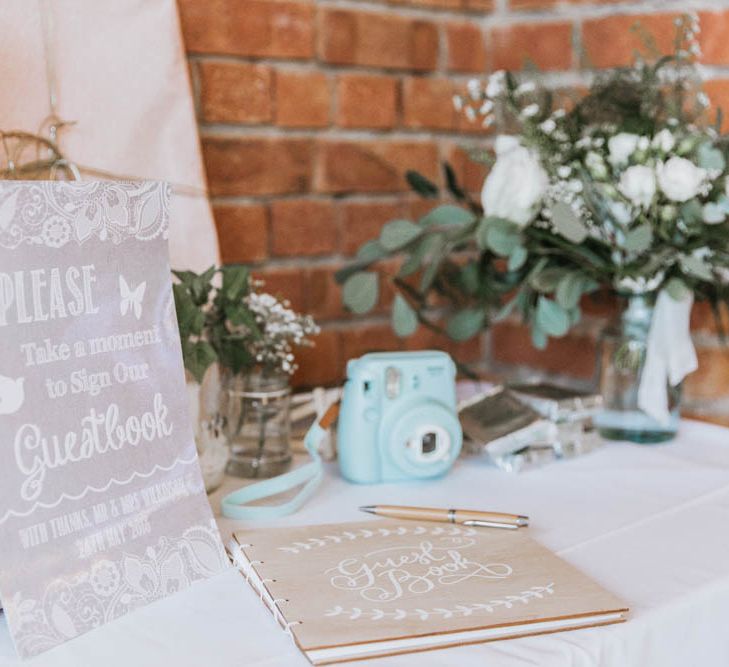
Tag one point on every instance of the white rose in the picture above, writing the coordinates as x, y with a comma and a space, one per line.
621, 147
680, 179
515, 185
664, 141
638, 184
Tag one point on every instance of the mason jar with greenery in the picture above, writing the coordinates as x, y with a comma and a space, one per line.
249, 337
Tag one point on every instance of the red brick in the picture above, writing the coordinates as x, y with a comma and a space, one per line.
718, 92
703, 319
257, 166
285, 284
301, 227
466, 47
465, 352
548, 4
235, 93
572, 354
364, 338
547, 45
302, 99
713, 41
602, 304
242, 233
362, 221
428, 103
324, 295
711, 380
367, 101
470, 174
706, 416
613, 41
260, 28
348, 166
378, 40
321, 364
470, 5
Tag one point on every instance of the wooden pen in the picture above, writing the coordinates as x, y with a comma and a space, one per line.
463, 517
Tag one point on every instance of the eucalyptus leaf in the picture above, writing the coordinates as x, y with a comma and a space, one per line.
404, 318
696, 267
499, 235
421, 185
517, 258
551, 318
452, 182
691, 212
399, 233
638, 240
371, 251
466, 323
547, 279
447, 215
710, 157
469, 277
539, 338
360, 291
426, 247
567, 223
569, 290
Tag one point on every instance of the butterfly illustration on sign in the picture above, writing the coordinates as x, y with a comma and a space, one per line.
12, 395
131, 299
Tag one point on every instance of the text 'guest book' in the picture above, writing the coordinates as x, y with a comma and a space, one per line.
102, 504
362, 590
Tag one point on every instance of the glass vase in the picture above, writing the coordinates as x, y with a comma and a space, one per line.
257, 419
207, 424
622, 358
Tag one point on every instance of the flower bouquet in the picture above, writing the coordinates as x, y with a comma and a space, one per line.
624, 189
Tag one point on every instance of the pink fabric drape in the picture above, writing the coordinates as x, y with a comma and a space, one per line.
121, 75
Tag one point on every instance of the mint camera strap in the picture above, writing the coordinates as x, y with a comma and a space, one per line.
237, 505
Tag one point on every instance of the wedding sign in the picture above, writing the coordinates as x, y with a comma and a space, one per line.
102, 504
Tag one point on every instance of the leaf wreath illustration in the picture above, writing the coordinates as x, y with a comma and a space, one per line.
131, 299
508, 601
364, 533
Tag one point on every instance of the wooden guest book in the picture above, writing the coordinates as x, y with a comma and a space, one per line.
361, 590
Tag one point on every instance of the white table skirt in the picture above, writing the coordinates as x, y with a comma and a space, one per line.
650, 523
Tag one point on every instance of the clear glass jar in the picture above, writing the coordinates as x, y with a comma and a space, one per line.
622, 358
207, 423
257, 424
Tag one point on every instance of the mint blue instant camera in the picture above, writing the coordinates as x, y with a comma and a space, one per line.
398, 418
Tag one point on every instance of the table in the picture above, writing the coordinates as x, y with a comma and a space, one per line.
650, 523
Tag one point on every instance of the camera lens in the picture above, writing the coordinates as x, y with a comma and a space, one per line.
428, 443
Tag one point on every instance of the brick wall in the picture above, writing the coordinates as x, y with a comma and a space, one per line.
310, 112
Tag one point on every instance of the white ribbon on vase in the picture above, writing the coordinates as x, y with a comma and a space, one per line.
670, 354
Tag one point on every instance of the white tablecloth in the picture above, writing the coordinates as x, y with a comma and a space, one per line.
650, 523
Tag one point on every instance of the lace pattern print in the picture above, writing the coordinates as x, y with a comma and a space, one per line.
54, 214
111, 589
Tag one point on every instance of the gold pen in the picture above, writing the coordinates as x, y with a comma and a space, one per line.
463, 517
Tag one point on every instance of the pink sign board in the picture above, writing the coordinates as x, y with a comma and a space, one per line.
102, 504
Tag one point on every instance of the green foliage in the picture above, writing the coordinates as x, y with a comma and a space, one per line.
206, 318
459, 268
404, 318
360, 292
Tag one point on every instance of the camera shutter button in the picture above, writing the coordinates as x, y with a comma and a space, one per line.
370, 414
